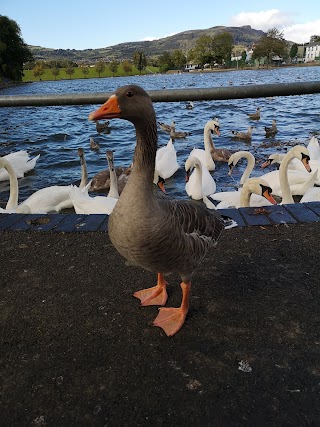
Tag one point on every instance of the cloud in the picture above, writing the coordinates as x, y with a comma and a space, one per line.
301, 33
263, 20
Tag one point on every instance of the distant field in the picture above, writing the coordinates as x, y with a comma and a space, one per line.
78, 74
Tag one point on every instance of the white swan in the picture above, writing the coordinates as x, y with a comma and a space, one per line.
12, 204
85, 204
166, 160
255, 192
204, 155
199, 180
295, 164
314, 149
21, 163
49, 199
299, 182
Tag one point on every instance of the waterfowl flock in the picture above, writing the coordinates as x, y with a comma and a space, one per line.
162, 234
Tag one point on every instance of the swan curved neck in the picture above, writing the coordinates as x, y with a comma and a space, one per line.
113, 192
245, 198
283, 178
14, 189
207, 139
248, 169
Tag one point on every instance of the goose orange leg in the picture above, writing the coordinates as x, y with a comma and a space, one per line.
157, 295
172, 319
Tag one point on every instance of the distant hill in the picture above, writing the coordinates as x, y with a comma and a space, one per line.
185, 41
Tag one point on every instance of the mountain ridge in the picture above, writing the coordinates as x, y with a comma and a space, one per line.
244, 35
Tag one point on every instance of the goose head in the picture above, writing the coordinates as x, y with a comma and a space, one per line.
132, 109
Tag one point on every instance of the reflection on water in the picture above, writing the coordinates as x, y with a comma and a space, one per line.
57, 132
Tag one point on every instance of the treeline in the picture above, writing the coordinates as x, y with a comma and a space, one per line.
208, 51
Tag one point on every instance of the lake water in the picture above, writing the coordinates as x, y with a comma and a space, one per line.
57, 132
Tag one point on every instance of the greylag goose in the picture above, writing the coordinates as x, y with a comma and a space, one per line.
94, 145
243, 135
158, 234
271, 131
256, 115
102, 127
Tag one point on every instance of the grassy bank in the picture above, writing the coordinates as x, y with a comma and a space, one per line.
78, 74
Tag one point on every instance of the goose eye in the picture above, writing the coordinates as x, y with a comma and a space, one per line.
129, 94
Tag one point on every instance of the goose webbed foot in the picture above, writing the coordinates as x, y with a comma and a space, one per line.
172, 319
157, 295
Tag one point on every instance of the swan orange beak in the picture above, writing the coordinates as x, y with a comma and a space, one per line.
305, 161
266, 164
269, 197
109, 110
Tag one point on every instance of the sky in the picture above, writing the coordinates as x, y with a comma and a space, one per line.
85, 24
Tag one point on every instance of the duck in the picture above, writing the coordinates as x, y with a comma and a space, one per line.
165, 127
175, 134
102, 127
189, 105
205, 155
94, 146
166, 160
243, 135
271, 131
21, 163
314, 148
299, 182
162, 235
255, 192
256, 115
199, 182
85, 204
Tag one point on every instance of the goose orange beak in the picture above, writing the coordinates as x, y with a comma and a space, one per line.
109, 110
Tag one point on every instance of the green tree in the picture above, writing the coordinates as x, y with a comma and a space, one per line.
126, 66
222, 45
203, 50
315, 39
270, 45
13, 50
55, 71
165, 62
140, 60
38, 69
179, 60
69, 70
293, 51
85, 71
100, 67
113, 66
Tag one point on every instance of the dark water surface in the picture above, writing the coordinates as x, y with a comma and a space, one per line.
57, 132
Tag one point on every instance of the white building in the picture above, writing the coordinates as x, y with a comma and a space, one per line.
312, 52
